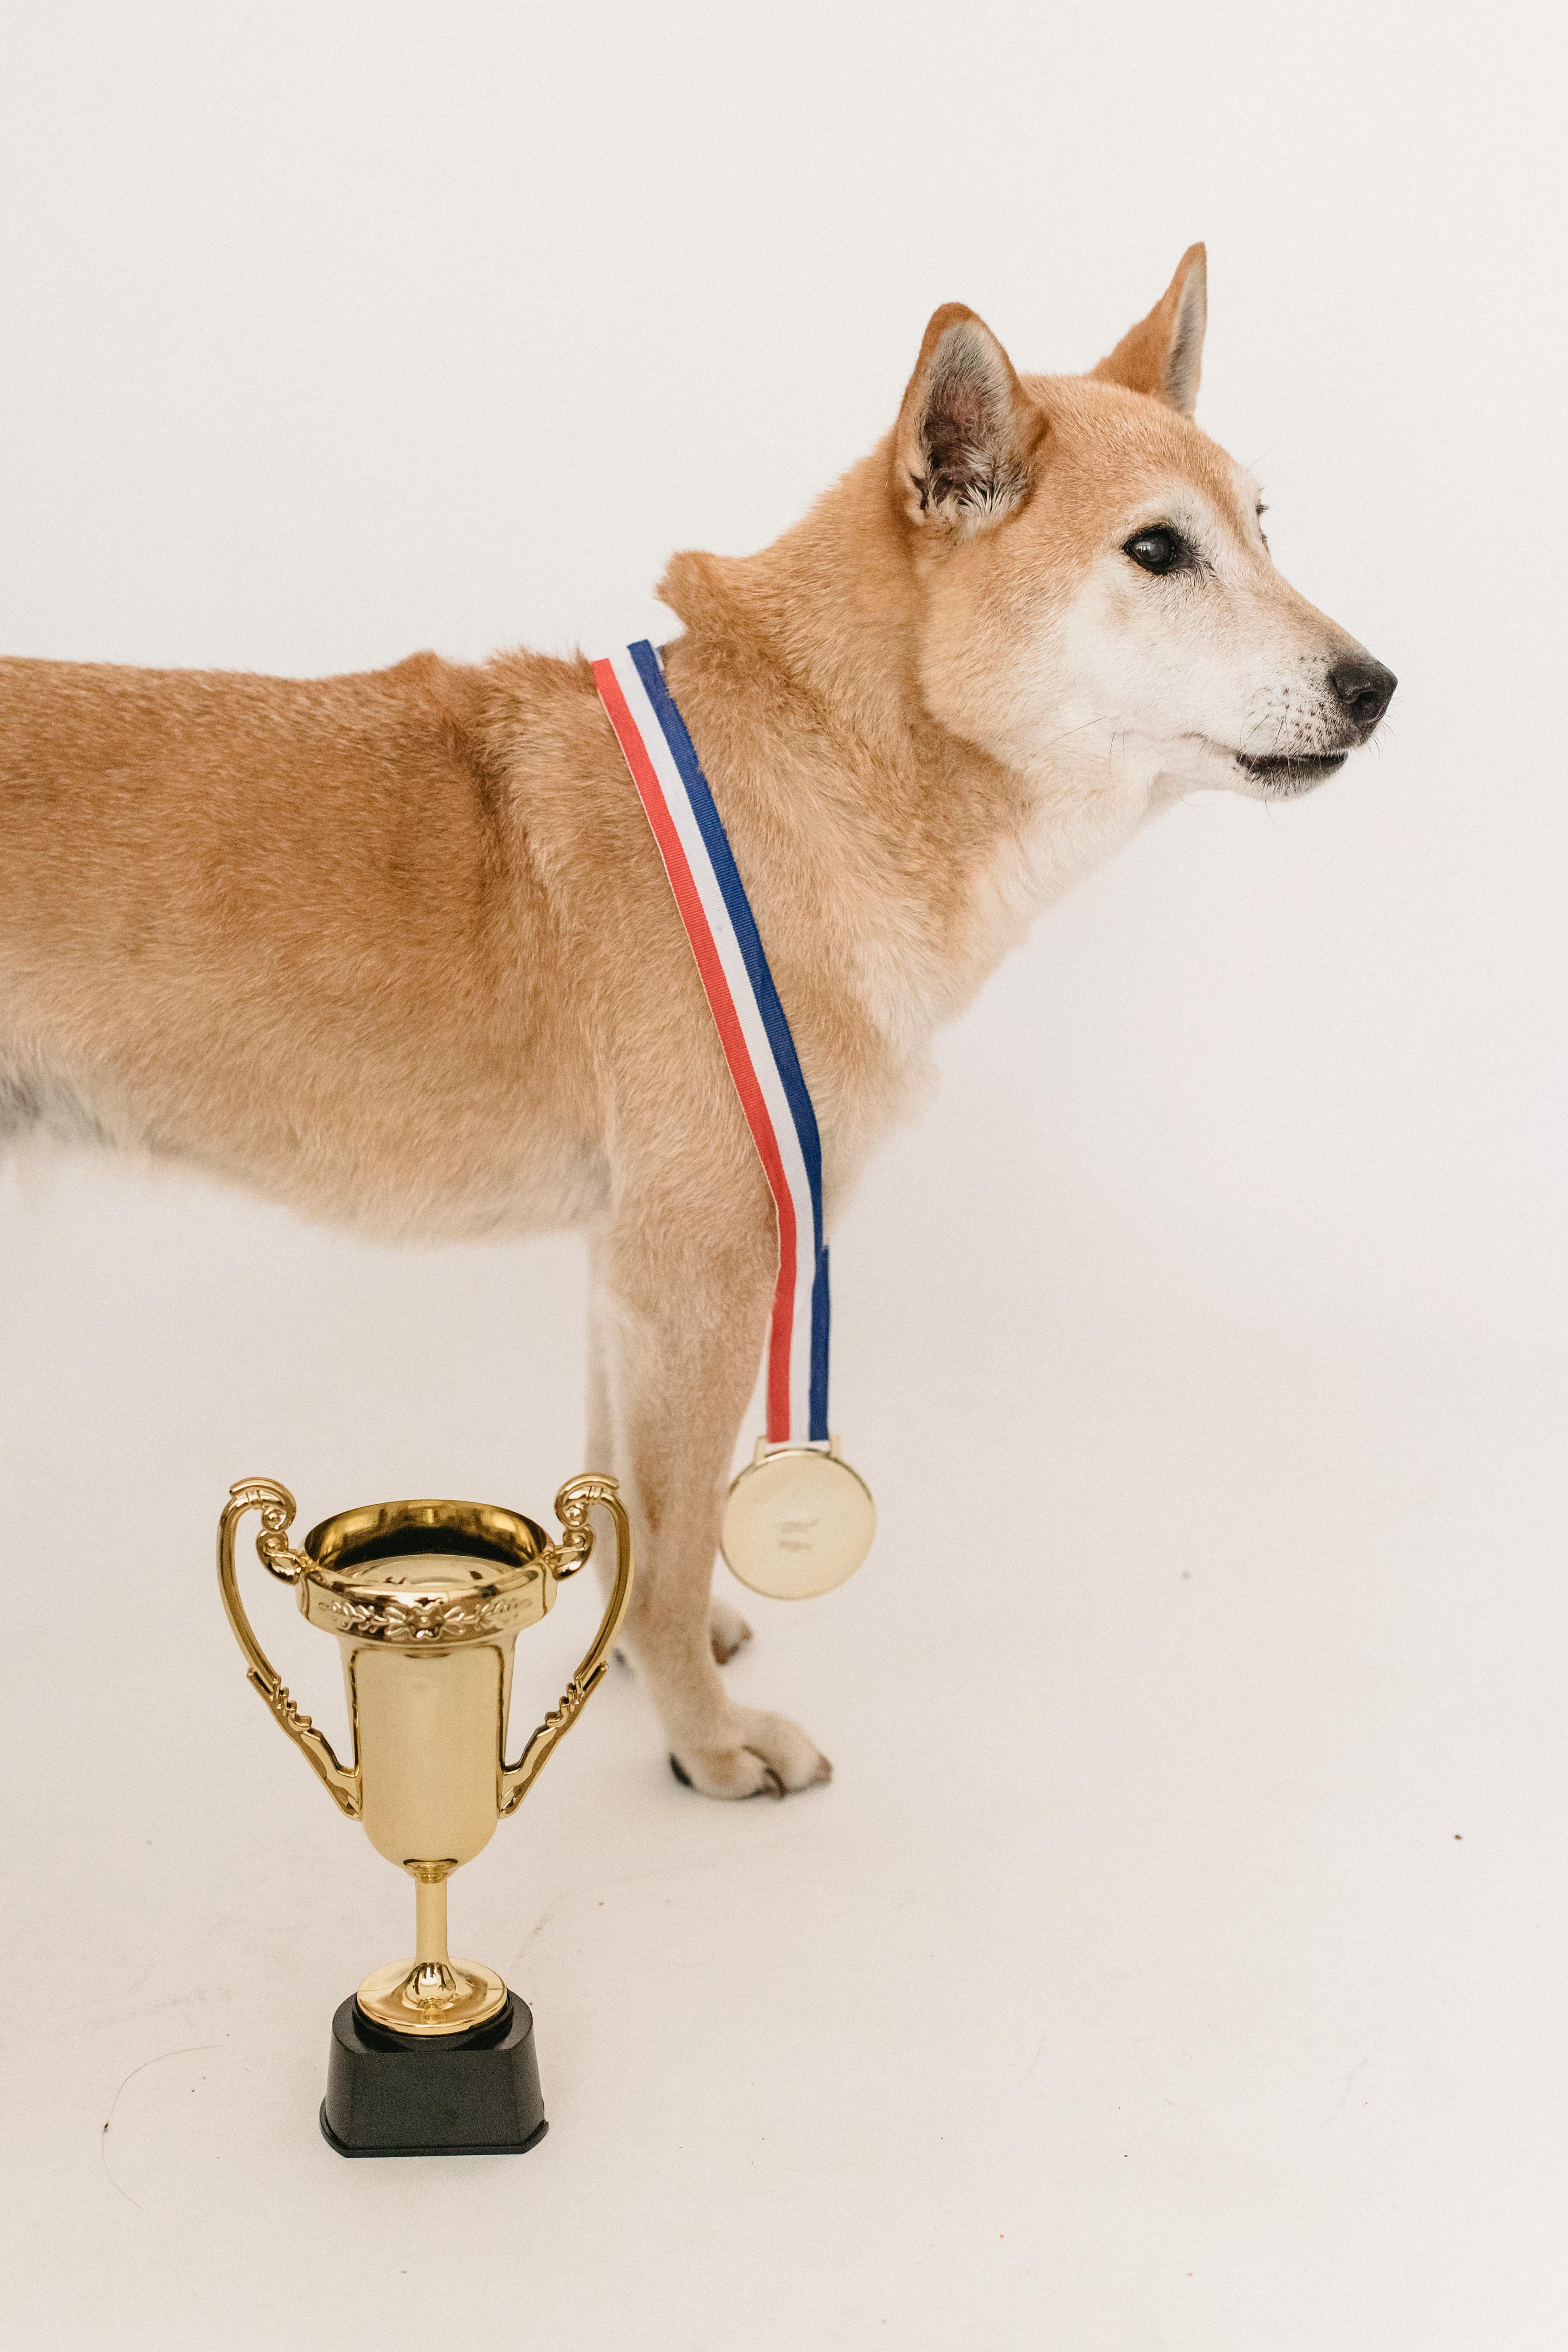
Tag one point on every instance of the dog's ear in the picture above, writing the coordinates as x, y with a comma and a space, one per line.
967, 431
1164, 353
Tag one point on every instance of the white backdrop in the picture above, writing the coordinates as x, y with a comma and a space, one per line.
1229, 1255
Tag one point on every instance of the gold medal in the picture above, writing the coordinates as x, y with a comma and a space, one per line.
797, 1521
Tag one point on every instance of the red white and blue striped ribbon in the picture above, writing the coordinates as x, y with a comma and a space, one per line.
750, 1020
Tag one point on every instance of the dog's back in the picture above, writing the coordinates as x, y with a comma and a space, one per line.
230, 903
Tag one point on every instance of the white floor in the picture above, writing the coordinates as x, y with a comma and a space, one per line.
1169, 1962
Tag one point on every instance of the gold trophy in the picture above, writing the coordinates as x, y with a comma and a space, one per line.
432, 2056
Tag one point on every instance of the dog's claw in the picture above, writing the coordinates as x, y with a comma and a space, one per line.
680, 1770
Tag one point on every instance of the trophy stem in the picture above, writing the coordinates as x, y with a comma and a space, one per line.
432, 1993
430, 1924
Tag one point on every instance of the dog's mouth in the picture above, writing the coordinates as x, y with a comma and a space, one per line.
1299, 775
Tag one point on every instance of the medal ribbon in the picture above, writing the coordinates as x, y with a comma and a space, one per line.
755, 1035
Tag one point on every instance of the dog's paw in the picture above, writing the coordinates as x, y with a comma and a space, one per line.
772, 1756
727, 1629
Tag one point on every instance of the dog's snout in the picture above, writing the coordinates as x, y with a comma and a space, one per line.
1364, 690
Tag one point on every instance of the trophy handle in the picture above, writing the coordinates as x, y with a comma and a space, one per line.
562, 1559
276, 1505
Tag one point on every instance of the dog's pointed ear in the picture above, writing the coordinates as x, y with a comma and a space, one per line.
967, 431
1164, 353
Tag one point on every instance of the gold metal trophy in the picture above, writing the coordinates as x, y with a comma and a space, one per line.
432, 2056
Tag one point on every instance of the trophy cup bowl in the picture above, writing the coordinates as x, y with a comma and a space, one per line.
432, 2055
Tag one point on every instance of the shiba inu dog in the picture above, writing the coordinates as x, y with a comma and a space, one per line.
398, 949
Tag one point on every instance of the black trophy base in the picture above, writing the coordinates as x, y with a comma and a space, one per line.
474, 2093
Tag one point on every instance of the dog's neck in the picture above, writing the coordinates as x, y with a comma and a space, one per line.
887, 850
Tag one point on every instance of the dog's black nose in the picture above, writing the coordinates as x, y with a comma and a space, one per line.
1364, 688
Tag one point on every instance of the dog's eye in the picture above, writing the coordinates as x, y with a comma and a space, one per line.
1159, 549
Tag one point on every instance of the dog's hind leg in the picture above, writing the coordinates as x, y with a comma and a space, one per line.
677, 1332
18, 1108
35, 1099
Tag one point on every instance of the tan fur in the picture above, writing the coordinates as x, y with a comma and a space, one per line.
398, 949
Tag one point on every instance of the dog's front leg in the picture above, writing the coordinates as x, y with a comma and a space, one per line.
673, 1357
728, 1631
